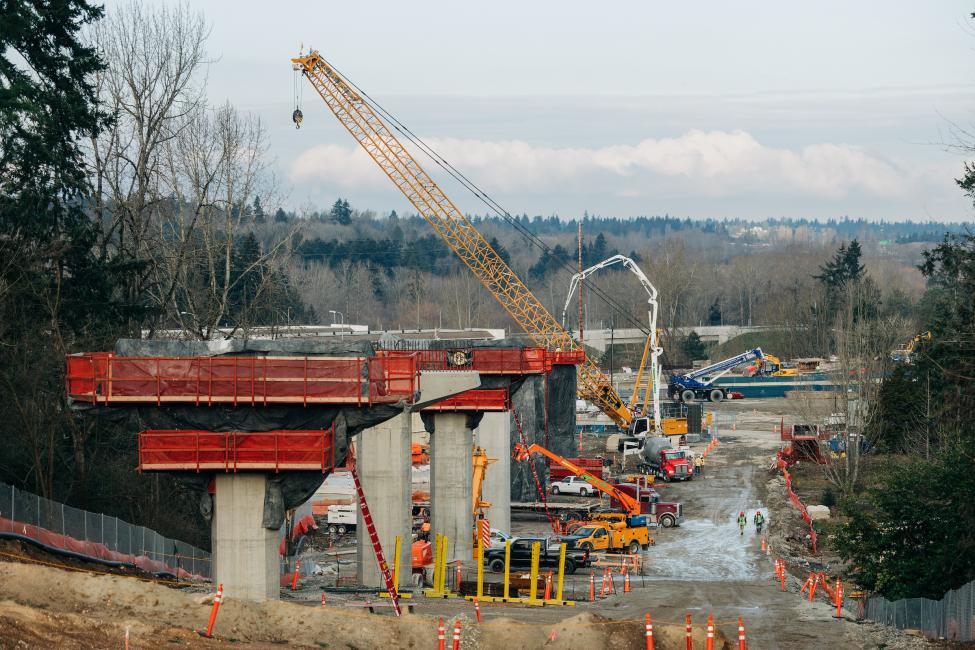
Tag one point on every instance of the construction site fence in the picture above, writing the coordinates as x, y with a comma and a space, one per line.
63, 530
952, 617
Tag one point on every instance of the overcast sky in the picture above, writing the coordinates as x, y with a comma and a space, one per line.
703, 109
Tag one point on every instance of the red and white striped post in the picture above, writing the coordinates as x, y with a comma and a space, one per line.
323, 599
710, 641
592, 586
648, 624
441, 635
477, 609
456, 634
217, 599
689, 632
741, 634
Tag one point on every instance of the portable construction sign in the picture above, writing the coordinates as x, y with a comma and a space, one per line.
374, 538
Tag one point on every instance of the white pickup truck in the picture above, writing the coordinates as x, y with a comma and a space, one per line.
572, 485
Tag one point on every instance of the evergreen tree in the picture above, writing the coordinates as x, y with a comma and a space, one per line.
693, 347
341, 212
280, 216
500, 250
259, 211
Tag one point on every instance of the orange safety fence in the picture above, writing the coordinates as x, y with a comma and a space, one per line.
794, 498
187, 449
103, 378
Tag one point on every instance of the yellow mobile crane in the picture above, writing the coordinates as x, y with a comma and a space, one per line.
359, 116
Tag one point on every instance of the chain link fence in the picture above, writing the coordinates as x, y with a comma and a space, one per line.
952, 617
94, 536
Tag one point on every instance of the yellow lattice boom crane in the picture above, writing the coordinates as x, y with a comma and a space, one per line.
361, 120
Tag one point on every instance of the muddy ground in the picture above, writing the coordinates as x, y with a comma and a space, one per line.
703, 567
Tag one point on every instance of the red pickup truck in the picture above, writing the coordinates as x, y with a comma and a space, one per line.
666, 514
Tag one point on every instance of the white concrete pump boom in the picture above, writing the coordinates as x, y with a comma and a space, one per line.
652, 308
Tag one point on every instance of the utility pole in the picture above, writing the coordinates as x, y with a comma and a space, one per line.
582, 338
612, 348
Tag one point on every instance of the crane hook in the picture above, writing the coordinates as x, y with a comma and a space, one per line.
297, 117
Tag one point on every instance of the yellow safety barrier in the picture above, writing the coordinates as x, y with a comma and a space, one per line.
439, 589
396, 567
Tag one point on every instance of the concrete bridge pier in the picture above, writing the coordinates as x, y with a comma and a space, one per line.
245, 554
383, 457
451, 443
494, 435
385, 468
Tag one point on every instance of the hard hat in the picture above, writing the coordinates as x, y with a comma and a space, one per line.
742, 512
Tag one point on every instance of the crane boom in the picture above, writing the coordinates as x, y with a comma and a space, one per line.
630, 505
653, 350
365, 125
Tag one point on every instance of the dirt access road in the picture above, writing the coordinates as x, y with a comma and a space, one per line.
706, 566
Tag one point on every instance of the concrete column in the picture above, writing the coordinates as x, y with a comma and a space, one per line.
245, 554
450, 482
383, 461
494, 435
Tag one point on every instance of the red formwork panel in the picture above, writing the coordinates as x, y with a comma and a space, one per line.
194, 450
478, 399
490, 361
103, 378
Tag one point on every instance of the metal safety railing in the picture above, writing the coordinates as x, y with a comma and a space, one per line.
104, 378
93, 536
951, 618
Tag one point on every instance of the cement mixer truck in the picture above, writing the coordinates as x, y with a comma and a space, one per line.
664, 461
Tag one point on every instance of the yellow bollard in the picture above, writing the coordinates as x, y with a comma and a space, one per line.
533, 590
480, 567
507, 567
558, 589
396, 568
443, 567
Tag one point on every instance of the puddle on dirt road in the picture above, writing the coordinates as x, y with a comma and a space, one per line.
705, 550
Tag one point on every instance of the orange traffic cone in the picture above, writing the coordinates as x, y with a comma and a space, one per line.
457, 634
741, 634
217, 599
458, 576
477, 609
626, 581
710, 642
441, 635
602, 587
649, 631
294, 580
323, 599
592, 586
763, 545
548, 587
689, 632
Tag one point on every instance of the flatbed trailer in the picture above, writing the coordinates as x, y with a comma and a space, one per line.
573, 509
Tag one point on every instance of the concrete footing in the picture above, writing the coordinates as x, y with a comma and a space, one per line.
385, 471
494, 435
245, 554
451, 441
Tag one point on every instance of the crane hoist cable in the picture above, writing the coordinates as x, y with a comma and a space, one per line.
377, 138
485, 198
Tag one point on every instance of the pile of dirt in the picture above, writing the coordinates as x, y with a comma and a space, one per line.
15, 550
46, 607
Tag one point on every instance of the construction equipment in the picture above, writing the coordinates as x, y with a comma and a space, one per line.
771, 366
698, 384
906, 353
361, 117
652, 349
665, 462
478, 504
613, 531
630, 505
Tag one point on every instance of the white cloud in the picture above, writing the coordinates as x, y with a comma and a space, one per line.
713, 164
